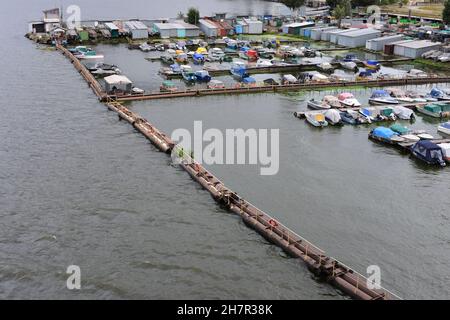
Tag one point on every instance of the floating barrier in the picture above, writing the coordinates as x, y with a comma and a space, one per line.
323, 266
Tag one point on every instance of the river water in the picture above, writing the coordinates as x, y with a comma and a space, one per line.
77, 187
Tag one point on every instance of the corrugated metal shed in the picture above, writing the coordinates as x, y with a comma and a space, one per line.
378, 44
415, 49
137, 29
208, 28
357, 38
335, 33
254, 26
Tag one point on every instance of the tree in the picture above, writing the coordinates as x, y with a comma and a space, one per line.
446, 12
294, 5
339, 13
193, 16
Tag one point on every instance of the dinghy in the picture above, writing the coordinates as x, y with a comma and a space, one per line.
316, 119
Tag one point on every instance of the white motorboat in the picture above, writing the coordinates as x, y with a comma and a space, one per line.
347, 99
444, 128
382, 97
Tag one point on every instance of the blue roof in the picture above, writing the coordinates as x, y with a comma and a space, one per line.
383, 132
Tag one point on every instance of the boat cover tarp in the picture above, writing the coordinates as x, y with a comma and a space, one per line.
249, 80
433, 108
428, 150
403, 112
435, 92
380, 93
198, 56
399, 128
383, 132
445, 149
446, 125
333, 115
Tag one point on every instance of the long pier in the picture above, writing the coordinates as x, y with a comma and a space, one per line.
328, 268
280, 88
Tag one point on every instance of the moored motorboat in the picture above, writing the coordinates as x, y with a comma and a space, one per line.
428, 152
382, 97
316, 119
439, 94
400, 95
404, 113
445, 147
431, 110
347, 99
385, 135
168, 86
317, 105
372, 64
202, 76
216, 84
239, 70
444, 128
187, 74
333, 117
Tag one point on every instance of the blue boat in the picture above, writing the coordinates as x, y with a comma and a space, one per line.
203, 76
188, 74
438, 94
383, 134
350, 58
372, 64
348, 118
198, 58
239, 70
249, 80
176, 69
428, 152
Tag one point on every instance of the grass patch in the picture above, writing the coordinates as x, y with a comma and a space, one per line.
434, 64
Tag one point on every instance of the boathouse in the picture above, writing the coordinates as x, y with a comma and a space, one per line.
117, 83
137, 29
209, 28
113, 29
415, 48
357, 38
378, 44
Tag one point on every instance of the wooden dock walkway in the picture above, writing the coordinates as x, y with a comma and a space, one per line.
331, 270
281, 88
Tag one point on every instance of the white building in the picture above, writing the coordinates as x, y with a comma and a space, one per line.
415, 48
335, 33
378, 44
316, 33
357, 38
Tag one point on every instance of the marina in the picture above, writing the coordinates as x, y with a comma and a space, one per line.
344, 93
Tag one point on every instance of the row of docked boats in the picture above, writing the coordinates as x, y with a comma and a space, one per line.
421, 144
356, 116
